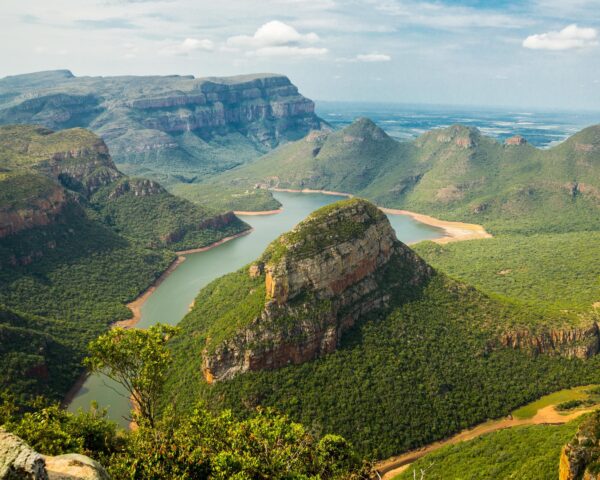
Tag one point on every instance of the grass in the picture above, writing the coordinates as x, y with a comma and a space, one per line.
577, 393
524, 453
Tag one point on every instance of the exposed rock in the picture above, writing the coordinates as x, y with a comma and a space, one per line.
568, 342
73, 466
137, 187
18, 461
140, 114
579, 458
516, 140
584, 147
462, 137
40, 211
320, 278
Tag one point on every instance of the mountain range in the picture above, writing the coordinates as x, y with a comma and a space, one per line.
454, 173
170, 128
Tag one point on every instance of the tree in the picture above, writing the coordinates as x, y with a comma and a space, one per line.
136, 359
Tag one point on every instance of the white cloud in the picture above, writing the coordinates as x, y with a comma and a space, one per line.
189, 45
277, 39
289, 51
568, 38
373, 57
273, 34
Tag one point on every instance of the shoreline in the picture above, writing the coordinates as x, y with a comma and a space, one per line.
136, 305
453, 231
251, 213
215, 244
75, 389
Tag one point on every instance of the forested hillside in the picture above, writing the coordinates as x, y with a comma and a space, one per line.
454, 173
432, 359
78, 240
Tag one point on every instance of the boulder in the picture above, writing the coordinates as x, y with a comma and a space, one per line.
18, 461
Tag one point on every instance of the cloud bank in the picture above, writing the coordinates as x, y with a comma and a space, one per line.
570, 37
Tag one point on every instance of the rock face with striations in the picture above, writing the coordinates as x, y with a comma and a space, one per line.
319, 279
168, 123
579, 459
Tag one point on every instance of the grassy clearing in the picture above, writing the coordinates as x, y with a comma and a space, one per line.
577, 393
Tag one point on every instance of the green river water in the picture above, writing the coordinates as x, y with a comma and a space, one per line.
171, 300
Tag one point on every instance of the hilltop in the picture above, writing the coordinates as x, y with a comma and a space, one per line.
169, 128
347, 330
455, 173
78, 240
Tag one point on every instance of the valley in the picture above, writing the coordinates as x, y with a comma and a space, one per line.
172, 298
305, 302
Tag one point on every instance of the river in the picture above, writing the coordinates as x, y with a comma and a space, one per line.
171, 300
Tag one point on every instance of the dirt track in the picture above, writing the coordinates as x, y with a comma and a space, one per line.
391, 467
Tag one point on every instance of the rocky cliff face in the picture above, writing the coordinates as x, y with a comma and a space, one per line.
41, 211
579, 458
161, 117
575, 342
320, 279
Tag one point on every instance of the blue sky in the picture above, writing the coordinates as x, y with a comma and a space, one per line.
542, 53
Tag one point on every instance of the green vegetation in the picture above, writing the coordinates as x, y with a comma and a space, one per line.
225, 198
454, 173
137, 360
568, 395
166, 128
320, 230
200, 446
400, 379
78, 241
235, 299
526, 453
160, 219
58, 303
557, 272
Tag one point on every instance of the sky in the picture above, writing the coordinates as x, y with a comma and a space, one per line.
541, 54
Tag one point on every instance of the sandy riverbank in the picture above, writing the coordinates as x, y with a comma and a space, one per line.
388, 469
453, 231
251, 213
309, 190
136, 305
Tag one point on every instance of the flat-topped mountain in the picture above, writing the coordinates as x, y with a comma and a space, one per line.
78, 240
172, 127
455, 173
346, 329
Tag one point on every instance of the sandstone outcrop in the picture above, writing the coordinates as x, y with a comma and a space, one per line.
18, 461
39, 212
515, 141
575, 342
320, 279
144, 117
579, 458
